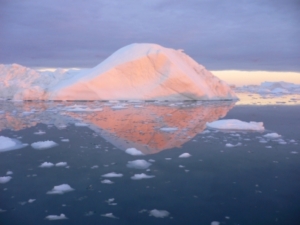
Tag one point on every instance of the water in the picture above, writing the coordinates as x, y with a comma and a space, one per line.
246, 184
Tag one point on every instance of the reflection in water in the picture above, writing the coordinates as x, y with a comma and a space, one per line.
124, 125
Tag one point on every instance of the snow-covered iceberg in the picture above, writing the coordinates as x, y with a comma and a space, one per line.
134, 72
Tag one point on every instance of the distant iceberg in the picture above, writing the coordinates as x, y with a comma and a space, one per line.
134, 72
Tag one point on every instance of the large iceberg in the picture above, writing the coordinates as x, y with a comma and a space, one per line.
134, 72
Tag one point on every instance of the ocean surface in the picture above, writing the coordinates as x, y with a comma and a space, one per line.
256, 182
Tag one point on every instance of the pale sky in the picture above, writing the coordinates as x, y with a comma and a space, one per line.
221, 35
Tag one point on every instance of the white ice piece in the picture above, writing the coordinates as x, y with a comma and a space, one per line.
46, 165
138, 164
106, 181
133, 151
272, 135
112, 174
159, 213
61, 189
8, 144
109, 215
185, 155
168, 129
215, 223
56, 217
40, 145
234, 124
5, 179
141, 176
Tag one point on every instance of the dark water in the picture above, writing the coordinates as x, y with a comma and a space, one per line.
246, 184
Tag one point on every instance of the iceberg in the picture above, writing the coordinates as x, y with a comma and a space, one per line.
234, 124
134, 72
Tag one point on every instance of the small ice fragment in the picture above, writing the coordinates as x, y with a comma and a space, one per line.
40, 132
55, 217
151, 160
109, 215
107, 182
215, 223
234, 124
133, 151
141, 176
5, 179
168, 158
168, 129
272, 135
185, 155
294, 152
65, 140
113, 174
159, 213
94, 167
61, 189
46, 165
2, 210
231, 145
181, 166
138, 164
61, 164
40, 145
9, 172
31, 200
7, 144
268, 146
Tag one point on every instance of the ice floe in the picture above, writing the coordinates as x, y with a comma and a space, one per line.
141, 176
185, 155
40, 145
109, 215
272, 135
232, 145
5, 179
215, 223
106, 181
133, 151
113, 174
138, 164
61, 164
9, 172
8, 144
159, 213
168, 129
234, 124
31, 200
61, 189
46, 165
40, 132
56, 217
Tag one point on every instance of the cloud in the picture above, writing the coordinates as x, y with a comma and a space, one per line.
232, 34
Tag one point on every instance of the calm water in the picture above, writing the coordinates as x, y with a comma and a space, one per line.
256, 182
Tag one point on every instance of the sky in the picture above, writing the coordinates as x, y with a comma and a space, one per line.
245, 35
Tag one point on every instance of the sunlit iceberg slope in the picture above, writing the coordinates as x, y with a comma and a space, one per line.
134, 72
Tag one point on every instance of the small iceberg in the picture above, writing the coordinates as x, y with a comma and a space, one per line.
159, 213
234, 124
46, 165
113, 174
41, 145
141, 176
5, 179
138, 164
60, 189
133, 151
272, 135
56, 217
185, 155
8, 144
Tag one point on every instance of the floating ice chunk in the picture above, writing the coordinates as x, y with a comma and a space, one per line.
294, 152
138, 164
185, 155
7, 144
5, 179
109, 215
40, 132
118, 107
168, 129
232, 145
81, 124
9, 172
168, 158
78, 109
181, 166
272, 135
141, 176
61, 189
151, 160
94, 167
31, 200
55, 217
61, 164
113, 174
233, 124
215, 223
107, 182
159, 213
2, 210
40, 145
46, 165
133, 151
65, 140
